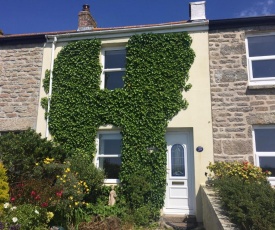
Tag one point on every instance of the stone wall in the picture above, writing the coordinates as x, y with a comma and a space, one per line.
20, 72
235, 106
214, 217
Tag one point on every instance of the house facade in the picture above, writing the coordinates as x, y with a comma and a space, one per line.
231, 112
190, 131
241, 58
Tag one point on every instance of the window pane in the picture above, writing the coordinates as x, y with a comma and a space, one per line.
113, 80
268, 163
110, 147
263, 68
177, 158
261, 45
115, 59
111, 166
265, 140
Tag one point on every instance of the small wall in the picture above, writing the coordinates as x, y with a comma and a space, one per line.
214, 217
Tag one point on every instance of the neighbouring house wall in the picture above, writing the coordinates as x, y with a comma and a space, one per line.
20, 72
235, 105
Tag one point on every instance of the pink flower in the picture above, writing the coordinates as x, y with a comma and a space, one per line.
33, 193
12, 199
37, 197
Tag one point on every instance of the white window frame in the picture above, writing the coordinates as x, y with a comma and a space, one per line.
258, 81
102, 55
112, 135
257, 155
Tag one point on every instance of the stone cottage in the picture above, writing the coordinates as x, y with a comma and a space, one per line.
242, 67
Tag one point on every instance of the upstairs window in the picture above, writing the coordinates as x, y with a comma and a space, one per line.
261, 58
114, 61
264, 148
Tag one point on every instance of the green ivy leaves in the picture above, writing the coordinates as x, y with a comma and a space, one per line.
156, 74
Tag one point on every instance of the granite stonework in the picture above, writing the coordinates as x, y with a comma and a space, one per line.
236, 107
214, 217
20, 72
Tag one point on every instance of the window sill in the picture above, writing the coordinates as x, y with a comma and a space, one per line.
261, 86
111, 181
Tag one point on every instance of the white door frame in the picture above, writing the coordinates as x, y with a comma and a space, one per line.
180, 190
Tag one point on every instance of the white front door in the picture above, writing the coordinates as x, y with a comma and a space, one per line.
180, 178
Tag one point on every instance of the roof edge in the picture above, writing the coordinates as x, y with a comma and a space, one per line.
233, 23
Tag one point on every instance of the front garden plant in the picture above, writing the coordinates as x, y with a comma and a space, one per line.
246, 195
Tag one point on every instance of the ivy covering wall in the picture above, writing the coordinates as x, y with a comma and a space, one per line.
156, 74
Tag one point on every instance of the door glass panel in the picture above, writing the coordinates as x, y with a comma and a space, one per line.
177, 161
268, 163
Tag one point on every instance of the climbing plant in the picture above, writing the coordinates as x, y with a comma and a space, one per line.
156, 74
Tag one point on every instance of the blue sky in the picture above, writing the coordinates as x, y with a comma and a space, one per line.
31, 16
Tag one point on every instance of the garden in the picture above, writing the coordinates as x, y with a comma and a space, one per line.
44, 186
245, 193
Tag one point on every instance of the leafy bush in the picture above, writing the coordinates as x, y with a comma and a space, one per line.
4, 187
250, 205
245, 194
20, 152
26, 216
82, 164
244, 170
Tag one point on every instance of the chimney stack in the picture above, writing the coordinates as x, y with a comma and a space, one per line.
85, 19
197, 11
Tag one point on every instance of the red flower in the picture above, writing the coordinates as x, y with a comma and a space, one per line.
44, 204
37, 197
12, 199
59, 194
33, 193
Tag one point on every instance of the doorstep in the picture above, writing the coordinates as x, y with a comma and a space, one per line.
186, 222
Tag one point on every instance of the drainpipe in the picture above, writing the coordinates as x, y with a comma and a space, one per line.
50, 86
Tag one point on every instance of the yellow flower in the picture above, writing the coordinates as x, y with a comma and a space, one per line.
50, 215
36, 164
76, 203
67, 170
71, 198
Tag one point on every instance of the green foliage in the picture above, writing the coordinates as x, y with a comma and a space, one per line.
4, 187
156, 74
250, 205
82, 164
26, 216
21, 151
46, 81
44, 105
74, 103
244, 170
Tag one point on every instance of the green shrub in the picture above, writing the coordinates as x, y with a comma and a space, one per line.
250, 205
26, 216
20, 152
244, 170
82, 164
4, 187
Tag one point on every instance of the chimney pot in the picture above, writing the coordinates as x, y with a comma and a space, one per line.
86, 7
85, 19
197, 11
